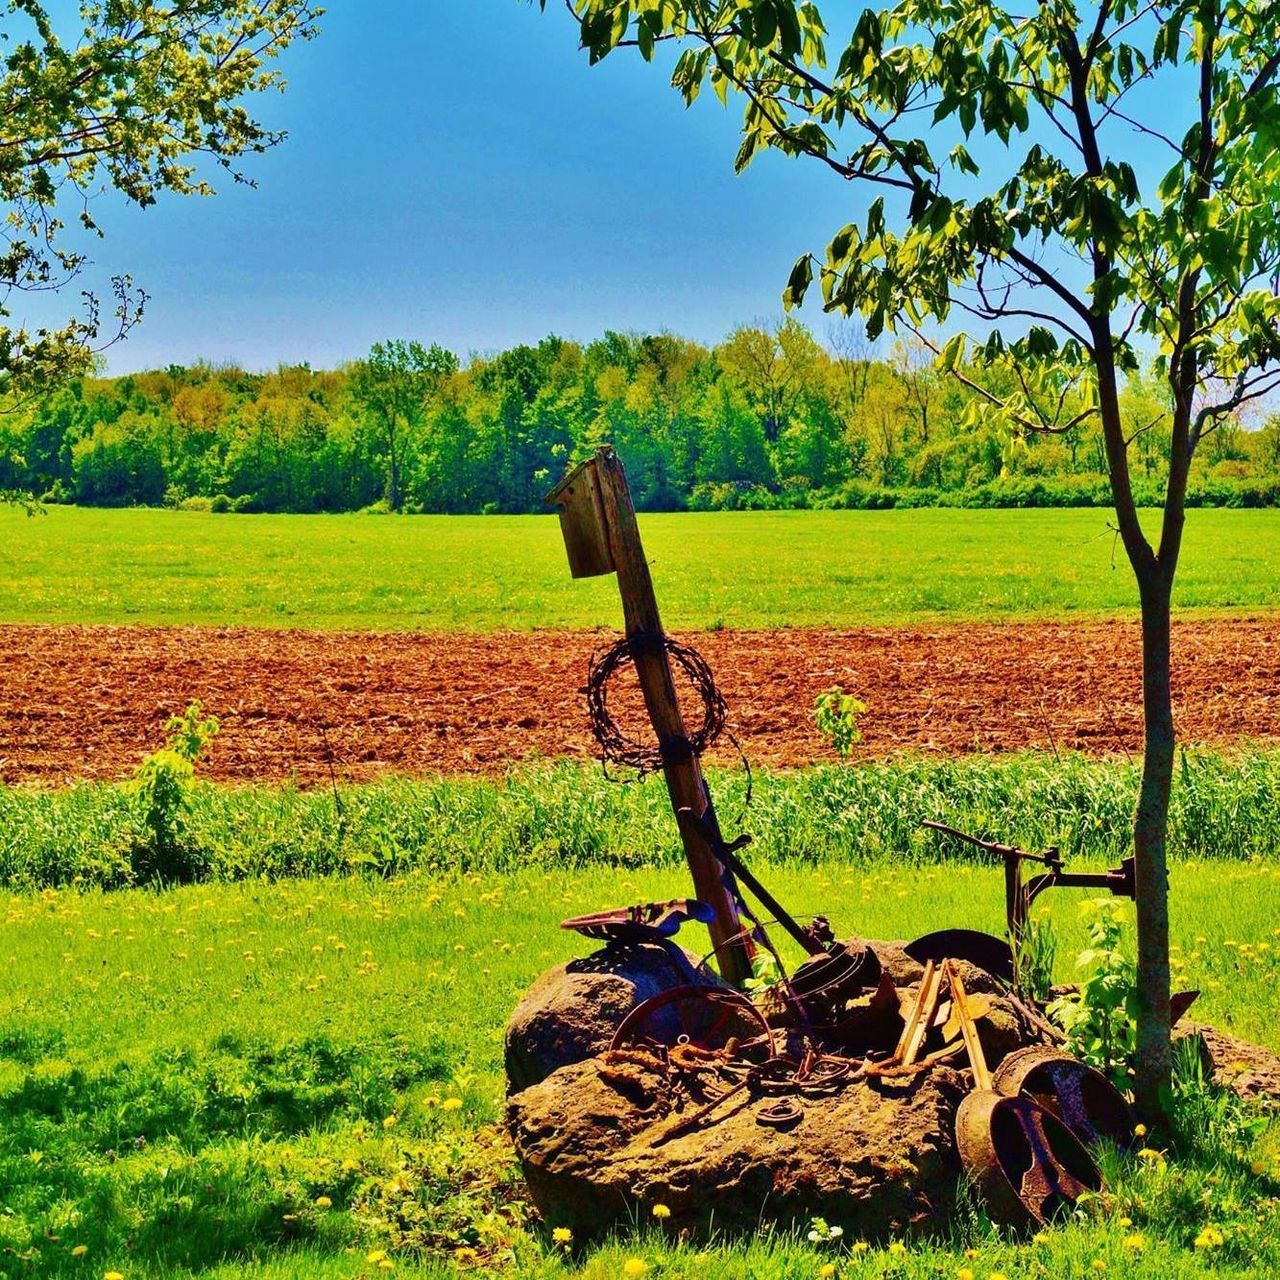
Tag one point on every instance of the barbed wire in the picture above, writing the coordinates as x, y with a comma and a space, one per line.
620, 748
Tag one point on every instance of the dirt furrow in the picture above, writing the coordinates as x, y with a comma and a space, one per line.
85, 702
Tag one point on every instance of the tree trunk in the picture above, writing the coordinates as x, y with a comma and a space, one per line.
1150, 829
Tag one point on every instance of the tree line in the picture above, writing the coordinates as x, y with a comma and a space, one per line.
769, 418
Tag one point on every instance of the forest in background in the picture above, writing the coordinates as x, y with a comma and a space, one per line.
769, 418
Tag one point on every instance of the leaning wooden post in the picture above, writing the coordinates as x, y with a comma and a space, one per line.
601, 536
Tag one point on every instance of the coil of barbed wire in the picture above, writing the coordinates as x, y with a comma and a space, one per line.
617, 746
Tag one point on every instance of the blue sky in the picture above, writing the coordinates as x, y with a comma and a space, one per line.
456, 172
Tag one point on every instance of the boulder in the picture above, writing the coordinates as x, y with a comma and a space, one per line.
571, 1011
1247, 1069
601, 1141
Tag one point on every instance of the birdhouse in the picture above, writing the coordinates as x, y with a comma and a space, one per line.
582, 521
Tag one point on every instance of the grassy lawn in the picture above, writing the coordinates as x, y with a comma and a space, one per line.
740, 569
287, 1080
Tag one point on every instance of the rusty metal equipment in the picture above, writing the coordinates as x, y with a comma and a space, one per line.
706, 1020
644, 922
1025, 1162
1019, 894
1081, 1097
985, 950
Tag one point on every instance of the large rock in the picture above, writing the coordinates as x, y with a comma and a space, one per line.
1247, 1069
595, 1141
572, 1011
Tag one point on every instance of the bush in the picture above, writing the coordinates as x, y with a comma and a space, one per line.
219, 503
197, 504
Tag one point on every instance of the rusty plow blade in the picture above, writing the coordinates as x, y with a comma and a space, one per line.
1090, 1106
1025, 1162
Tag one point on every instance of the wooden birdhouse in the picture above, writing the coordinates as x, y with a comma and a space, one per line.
582, 521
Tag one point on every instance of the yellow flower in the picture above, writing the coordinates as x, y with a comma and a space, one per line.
1126, 1222
1209, 1238
114, 1275
1259, 1167
79, 1251
1099, 1265
451, 1104
1137, 1242
897, 1249
1139, 1130
1152, 1157
323, 1202
562, 1235
1040, 1237
661, 1212
386, 1265
858, 1248
965, 1273
971, 1253
827, 1270
389, 1122
375, 1255
634, 1267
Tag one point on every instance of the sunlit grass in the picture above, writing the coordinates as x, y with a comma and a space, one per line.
480, 573
231, 1080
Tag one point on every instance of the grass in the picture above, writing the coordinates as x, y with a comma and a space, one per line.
481, 573
568, 815
302, 1079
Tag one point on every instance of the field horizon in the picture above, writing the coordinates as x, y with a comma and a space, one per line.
714, 570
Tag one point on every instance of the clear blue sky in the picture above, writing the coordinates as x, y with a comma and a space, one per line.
456, 172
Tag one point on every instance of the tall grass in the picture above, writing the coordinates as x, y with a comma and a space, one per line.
567, 815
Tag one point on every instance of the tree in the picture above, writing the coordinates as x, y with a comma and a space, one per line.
1042, 231
146, 92
392, 386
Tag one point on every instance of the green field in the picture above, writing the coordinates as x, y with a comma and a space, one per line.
285, 1080
737, 569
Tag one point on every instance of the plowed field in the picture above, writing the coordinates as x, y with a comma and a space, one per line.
86, 702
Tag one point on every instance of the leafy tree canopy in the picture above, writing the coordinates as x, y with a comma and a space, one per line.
131, 96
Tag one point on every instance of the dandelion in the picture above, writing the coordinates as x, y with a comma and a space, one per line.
1099, 1265
1136, 1242
661, 1212
1126, 1222
965, 1273
897, 1249
1149, 1156
1040, 1237
971, 1254
562, 1235
323, 1202
386, 1265
389, 1122
858, 1248
451, 1104
1259, 1167
997, 1275
827, 1270
79, 1251
375, 1255
1209, 1238
113, 1275
634, 1267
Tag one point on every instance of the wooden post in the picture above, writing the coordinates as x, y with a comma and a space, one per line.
599, 485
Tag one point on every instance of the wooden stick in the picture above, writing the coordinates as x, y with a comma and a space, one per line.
977, 1059
683, 773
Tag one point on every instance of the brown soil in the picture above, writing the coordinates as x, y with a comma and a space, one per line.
78, 702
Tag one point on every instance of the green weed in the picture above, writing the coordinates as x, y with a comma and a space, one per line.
567, 815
